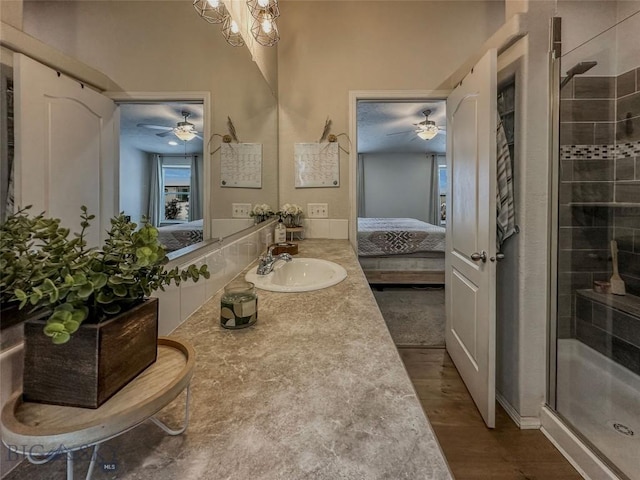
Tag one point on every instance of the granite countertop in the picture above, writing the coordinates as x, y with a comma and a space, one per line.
314, 390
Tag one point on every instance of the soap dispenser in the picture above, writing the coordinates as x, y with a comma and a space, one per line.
280, 234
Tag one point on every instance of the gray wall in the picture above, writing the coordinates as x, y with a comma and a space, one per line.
134, 182
397, 185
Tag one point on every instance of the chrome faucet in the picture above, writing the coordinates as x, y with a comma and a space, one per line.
266, 262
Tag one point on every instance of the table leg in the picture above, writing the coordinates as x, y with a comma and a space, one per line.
92, 464
171, 431
70, 461
70, 465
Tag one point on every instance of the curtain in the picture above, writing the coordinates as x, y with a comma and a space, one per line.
360, 186
195, 199
156, 191
433, 208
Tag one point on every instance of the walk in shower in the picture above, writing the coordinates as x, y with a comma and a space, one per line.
595, 352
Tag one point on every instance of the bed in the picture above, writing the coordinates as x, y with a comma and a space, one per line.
179, 235
401, 251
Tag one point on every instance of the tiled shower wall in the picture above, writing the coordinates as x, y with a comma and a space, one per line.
599, 201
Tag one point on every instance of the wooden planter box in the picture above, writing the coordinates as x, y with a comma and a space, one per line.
96, 363
10, 315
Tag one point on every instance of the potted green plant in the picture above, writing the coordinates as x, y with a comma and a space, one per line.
101, 327
20, 263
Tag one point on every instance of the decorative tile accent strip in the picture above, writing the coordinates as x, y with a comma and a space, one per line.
587, 152
629, 149
600, 152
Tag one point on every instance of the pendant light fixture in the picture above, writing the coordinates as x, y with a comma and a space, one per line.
257, 6
213, 11
263, 20
231, 32
264, 28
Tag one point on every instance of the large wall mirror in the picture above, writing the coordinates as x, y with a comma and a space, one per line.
165, 48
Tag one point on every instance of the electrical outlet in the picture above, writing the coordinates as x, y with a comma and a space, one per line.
240, 210
318, 210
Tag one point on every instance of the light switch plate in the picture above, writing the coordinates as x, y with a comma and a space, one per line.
318, 210
240, 210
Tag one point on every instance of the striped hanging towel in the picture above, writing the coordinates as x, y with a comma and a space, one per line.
506, 214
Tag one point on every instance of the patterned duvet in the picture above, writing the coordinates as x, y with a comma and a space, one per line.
396, 236
175, 237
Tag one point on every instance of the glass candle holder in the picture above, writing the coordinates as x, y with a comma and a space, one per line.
239, 305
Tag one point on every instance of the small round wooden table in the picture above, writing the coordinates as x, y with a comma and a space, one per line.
41, 432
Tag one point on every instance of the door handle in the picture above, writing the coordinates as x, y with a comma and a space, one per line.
475, 256
498, 257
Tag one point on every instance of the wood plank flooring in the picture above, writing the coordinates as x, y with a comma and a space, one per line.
473, 451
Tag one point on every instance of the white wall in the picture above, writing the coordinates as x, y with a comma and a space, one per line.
134, 181
397, 185
162, 46
615, 50
329, 48
530, 249
627, 48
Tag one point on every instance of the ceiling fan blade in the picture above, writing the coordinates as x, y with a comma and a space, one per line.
199, 136
155, 127
164, 134
398, 133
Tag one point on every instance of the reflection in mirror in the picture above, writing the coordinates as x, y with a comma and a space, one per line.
161, 169
159, 46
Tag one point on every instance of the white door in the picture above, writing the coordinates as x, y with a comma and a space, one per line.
66, 148
471, 232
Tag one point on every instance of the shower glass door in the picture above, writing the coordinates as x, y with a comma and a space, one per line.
597, 390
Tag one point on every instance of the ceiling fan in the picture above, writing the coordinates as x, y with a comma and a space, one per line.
184, 130
426, 129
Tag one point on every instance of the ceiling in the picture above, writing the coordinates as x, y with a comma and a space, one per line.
376, 120
166, 114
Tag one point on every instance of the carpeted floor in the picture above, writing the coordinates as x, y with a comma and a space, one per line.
414, 316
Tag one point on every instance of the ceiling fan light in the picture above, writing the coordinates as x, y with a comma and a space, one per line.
428, 133
184, 134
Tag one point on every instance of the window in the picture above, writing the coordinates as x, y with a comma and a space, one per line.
177, 192
442, 191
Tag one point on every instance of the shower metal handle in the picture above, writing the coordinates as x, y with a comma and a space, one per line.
475, 256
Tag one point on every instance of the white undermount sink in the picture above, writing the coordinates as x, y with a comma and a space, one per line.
299, 275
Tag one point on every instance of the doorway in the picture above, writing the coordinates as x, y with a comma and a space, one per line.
401, 148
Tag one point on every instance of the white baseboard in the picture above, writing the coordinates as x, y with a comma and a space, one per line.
574, 450
523, 423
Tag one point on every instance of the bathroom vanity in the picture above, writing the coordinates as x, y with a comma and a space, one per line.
315, 389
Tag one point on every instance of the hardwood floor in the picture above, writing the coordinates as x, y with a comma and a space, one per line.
473, 451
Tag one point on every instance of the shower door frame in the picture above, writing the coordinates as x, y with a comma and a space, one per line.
555, 53
584, 455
